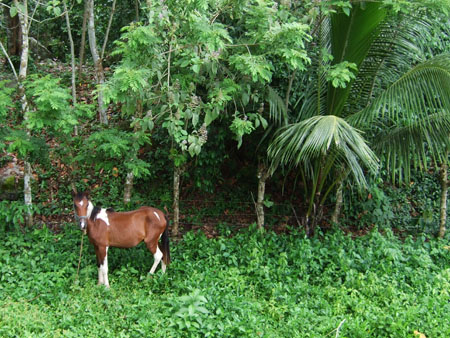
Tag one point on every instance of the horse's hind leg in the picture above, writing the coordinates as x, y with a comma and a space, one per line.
157, 254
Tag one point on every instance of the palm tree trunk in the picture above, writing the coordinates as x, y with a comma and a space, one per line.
100, 75
263, 174
444, 188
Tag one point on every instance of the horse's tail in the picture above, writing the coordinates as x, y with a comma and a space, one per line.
165, 243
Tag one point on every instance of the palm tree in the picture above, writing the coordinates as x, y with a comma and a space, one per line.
361, 97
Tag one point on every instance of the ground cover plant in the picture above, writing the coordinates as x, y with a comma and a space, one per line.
253, 283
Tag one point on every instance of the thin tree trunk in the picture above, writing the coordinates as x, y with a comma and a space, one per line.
113, 9
339, 201
176, 199
72, 54
28, 196
263, 174
444, 188
24, 25
136, 8
83, 37
128, 188
100, 76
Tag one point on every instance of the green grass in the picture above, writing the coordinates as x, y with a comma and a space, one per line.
253, 284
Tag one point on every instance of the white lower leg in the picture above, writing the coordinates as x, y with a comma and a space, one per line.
158, 255
103, 271
163, 266
100, 276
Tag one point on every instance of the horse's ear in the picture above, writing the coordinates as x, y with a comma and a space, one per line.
87, 193
74, 191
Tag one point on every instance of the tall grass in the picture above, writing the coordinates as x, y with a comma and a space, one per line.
248, 285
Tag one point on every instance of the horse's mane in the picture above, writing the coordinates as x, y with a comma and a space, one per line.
96, 210
94, 213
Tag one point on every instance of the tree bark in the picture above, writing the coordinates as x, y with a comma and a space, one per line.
136, 8
128, 188
176, 199
444, 189
99, 73
24, 25
13, 33
339, 201
263, 175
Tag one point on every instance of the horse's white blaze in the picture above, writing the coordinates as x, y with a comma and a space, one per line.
81, 203
156, 214
158, 255
103, 216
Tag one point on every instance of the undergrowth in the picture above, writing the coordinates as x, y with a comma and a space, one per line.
249, 285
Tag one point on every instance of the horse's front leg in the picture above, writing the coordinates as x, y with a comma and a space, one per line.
102, 264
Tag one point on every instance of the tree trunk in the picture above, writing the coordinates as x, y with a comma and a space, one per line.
13, 33
339, 201
444, 188
263, 174
128, 188
176, 199
136, 8
72, 54
83, 37
24, 25
28, 196
99, 73
113, 9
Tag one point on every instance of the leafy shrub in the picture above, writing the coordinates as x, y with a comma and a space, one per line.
12, 214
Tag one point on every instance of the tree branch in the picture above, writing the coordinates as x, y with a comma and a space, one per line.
9, 60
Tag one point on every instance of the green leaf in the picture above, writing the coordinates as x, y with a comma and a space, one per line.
211, 115
13, 11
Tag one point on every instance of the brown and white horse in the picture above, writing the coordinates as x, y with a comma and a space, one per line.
106, 228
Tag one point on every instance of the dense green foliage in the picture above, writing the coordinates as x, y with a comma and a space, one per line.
251, 284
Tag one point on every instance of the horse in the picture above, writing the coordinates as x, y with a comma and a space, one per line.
106, 228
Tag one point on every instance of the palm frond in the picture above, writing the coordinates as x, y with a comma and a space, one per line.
277, 107
311, 92
391, 54
321, 137
408, 145
423, 90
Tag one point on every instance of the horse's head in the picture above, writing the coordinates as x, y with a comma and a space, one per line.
83, 208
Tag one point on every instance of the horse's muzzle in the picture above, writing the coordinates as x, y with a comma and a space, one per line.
83, 222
